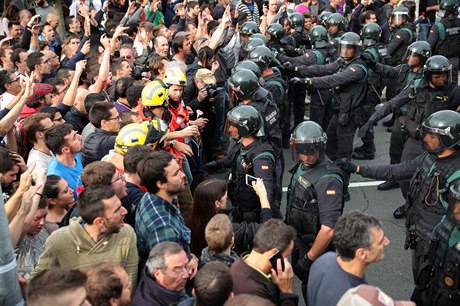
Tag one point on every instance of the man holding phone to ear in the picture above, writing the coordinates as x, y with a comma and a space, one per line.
261, 272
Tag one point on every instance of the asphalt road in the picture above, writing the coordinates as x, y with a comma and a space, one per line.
393, 274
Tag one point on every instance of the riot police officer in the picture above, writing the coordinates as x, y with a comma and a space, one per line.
439, 281
444, 35
370, 35
271, 78
252, 43
335, 25
274, 33
246, 30
320, 106
315, 198
350, 90
416, 56
434, 92
297, 21
255, 158
403, 34
431, 174
247, 90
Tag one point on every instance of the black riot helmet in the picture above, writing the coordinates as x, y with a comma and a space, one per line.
348, 41
318, 37
421, 49
260, 36
252, 44
370, 34
276, 31
262, 56
336, 19
297, 20
249, 65
453, 211
447, 6
437, 64
399, 16
323, 17
445, 125
247, 120
249, 28
307, 138
244, 83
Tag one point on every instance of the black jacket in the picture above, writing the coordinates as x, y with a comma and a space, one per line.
97, 145
78, 119
248, 280
149, 292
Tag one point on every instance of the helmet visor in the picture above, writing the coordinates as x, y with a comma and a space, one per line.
441, 13
398, 19
432, 73
443, 132
414, 59
348, 51
306, 147
231, 129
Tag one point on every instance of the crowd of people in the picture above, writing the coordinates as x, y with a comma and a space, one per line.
115, 114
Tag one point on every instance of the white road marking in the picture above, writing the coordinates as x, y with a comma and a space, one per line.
356, 184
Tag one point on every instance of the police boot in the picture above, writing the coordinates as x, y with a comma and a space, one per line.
363, 155
359, 149
400, 212
387, 185
364, 152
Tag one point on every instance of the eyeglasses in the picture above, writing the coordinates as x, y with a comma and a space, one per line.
120, 177
177, 271
115, 118
127, 57
12, 81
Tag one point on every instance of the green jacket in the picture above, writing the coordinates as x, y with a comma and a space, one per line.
71, 247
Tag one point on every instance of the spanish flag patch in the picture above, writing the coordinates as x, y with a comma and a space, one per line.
264, 167
330, 192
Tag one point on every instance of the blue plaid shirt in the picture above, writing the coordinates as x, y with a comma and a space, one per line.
158, 220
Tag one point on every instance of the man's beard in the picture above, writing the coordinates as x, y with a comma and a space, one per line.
112, 229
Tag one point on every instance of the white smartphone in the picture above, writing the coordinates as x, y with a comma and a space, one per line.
250, 179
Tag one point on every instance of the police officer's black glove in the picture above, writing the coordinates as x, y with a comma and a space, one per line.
366, 128
289, 67
297, 81
309, 85
368, 59
302, 268
346, 165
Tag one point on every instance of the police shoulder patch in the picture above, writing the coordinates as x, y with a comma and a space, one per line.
264, 167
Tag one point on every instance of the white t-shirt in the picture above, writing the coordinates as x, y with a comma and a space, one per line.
39, 158
6, 99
